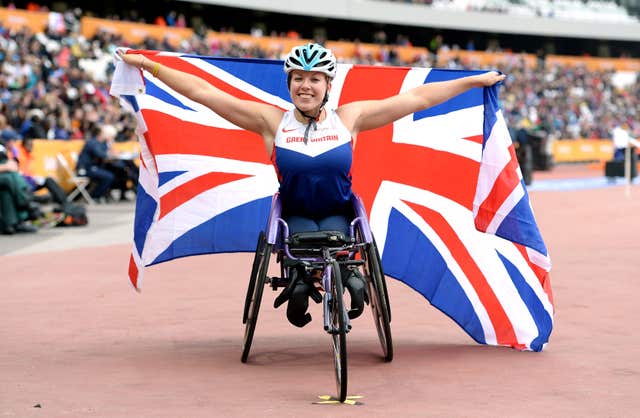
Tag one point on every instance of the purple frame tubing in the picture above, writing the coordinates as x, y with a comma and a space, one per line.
361, 219
275, 222
275, 214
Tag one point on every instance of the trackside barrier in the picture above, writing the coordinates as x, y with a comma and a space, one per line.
134, 33
594, 63
15, 19
582, 150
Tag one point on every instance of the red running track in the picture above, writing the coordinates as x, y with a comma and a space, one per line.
77, 341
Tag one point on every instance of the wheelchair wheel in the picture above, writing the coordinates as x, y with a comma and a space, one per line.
254, 293
254, 274
384, 281
379, 300
338, 331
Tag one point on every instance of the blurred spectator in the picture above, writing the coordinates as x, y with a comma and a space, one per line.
171, 18
435, 44
92, 159
7, 132
22, 153
621, 140
15, 197
181, 22
33, 126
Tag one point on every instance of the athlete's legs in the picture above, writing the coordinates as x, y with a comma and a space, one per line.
299, 299
354, 282
299, 303
335, 223
301, 224
351, 279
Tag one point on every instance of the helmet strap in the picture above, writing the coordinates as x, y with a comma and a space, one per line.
312, 122
313, 119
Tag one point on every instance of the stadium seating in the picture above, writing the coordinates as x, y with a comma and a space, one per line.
593, 10
567, 101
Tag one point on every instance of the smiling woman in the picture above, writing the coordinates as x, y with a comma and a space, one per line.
312, 146
305, 66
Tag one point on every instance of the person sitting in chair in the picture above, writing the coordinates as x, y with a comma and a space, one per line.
311, 146
92, 158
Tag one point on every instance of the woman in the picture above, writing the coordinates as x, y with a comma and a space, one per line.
311, 146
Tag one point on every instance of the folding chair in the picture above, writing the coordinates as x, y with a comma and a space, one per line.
80, 183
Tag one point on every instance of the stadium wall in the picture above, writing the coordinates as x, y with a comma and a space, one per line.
420, 15
135, 33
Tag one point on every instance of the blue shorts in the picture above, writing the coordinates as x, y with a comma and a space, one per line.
330, 223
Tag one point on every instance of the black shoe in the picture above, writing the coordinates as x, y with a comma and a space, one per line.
294, 276
123, 196
42, 199
24, 227
298, 304
356, 286
8, 230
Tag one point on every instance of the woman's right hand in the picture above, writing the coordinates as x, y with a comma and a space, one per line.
488, 79
135, 60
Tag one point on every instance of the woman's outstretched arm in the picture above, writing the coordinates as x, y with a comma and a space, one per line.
371, 114
257, 117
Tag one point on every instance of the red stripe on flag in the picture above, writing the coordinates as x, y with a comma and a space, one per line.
543, 276
170, 135
546, 285
191, 189
377, 158
133, 272
503, 186
476, 138
182, 65
505, 334
358, 85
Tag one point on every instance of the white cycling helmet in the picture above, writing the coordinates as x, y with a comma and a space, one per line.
311, 57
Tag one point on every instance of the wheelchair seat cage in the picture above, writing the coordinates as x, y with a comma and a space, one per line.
326, 251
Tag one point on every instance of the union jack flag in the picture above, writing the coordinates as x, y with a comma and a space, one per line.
443, 189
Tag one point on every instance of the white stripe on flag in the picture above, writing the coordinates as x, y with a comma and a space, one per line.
390, 195
200, 209
195, 166
239, 83
444, 132
495, 157
505, 209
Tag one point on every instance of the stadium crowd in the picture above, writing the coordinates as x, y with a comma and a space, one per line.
585, 10
58, 84
55, 85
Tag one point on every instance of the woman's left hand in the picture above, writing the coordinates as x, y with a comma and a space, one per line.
488, 79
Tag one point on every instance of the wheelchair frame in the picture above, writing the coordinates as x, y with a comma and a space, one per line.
325, 250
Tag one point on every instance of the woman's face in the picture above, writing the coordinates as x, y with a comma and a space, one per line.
307, 89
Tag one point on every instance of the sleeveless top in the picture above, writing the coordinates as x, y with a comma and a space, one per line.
315, 178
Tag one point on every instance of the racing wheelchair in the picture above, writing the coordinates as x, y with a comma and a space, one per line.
326, 251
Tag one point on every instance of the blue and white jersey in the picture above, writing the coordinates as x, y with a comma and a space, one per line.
315, 178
